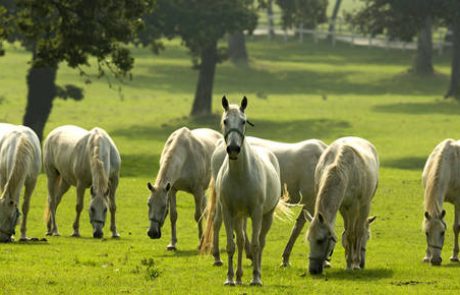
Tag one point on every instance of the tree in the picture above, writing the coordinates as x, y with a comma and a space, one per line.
334, 15
61, 30
306, 13
237, 49
201, 24
403, 20
3, 27
452, 19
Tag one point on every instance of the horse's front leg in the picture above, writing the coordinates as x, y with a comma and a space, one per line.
296, 230
200, 205
256, 218
456, 229
216, 228
228, 222
173, 219
78, 208
113, 208
29, 188
240, 237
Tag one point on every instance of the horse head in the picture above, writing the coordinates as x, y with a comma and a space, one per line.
234, 126
322, 242
158, 208
435, 227
98, 210
9, 216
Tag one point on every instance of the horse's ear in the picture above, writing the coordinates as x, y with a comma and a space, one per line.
150, 187
225, 103
427, 215
168, 187
244, 104
371, 219
320, 218
443, 213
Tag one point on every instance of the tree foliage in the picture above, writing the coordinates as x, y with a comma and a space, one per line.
309, 13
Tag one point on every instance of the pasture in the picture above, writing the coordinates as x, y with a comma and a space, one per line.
296, 91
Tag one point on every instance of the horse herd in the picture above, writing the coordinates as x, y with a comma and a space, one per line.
247, 177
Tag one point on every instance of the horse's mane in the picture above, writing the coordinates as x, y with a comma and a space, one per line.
21, 161
432, 204
100, 180
336, 174
169, 155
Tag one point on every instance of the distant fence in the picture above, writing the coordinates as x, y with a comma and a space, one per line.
344, 32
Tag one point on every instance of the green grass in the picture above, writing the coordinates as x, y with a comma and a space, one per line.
368, 94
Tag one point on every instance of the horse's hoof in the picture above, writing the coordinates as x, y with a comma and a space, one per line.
454, 259
171, 248
327, 264
218, 263
24, 239
75, 235
56, 234
426, 259
230, 283
285, 264
116, 236
239, 282
48, 233
257, 283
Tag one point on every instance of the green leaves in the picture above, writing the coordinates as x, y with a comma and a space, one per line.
307, 12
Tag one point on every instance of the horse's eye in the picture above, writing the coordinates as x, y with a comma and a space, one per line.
426, 234
11, 203
442, 234
105, 210
319, 242
92, 209
225, 122
243, 122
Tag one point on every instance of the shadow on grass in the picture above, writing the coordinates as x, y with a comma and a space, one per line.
435, 107
407, 163
373, 274
180, 253
139, 165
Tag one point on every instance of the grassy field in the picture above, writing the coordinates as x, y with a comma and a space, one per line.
296, 91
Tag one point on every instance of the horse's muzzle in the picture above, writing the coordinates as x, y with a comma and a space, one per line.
5, 238
315, 267
98, 234
233, 151
154, 231
436, 261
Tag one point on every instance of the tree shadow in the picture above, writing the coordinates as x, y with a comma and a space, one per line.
139, 165
372, 274
180, 253
406, 163
435, 107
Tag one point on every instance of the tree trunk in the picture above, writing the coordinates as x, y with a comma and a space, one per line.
271, 23
40, 96
237, 49
335, 12
203, 95
454, 88
423, 61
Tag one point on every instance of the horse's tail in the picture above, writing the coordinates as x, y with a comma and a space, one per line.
206, 239
99, 177
437, 179
21, 161
282, 209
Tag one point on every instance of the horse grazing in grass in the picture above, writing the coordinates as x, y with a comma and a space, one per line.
441, 179
346, 179
185, 165
297, 163
81, 158
20, 162
247, 184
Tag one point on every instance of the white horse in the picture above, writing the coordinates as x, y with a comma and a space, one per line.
20, 162
247, 185
81, 158
185, 165
297, 163
441, 179
346, 180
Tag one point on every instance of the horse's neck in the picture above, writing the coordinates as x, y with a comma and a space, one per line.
171, 168
241, 166
331, 197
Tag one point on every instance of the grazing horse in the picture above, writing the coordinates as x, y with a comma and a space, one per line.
346, 179
297, 163
441, 179
247, 184
81, 158
185, 165
20, 162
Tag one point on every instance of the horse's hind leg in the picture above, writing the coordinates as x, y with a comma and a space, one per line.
113, 207
173, 219
228, 221
200, 205
240, 236
256, 217
456, 229
29, 188
56, 188
215, 242
296, 230
78, 208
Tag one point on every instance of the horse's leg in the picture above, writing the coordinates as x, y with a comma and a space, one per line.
360, 248
173, 218
62, 188
216, 228
256, 217
240, 236
52, 181
247, 242
78, 208
113, 207
228, 222
456, 229
296, 230
200, 205
29, 188
266, 224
